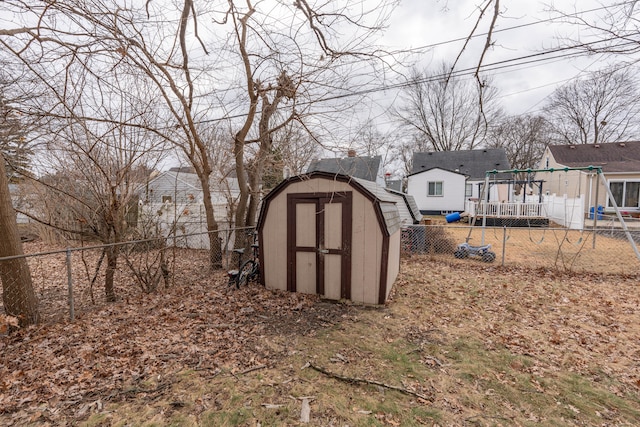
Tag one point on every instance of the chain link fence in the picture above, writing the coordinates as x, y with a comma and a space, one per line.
71, 281
603, 250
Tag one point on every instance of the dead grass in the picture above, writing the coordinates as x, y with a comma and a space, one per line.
555, 248
486, 345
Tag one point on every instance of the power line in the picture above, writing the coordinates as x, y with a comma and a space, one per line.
498, 65
514, 27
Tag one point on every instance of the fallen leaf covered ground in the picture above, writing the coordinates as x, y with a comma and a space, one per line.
474, 344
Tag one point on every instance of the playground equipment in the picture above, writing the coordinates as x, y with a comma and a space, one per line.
484, 252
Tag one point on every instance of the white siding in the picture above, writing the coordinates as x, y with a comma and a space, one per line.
453, 186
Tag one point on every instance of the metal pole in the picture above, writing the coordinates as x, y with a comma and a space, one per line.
70, 286
486, 196
504, 242
622, 223
595, 212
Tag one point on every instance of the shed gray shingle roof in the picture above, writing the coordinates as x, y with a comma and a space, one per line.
409, 202
363, 167
473, 163
387, 202
612, 157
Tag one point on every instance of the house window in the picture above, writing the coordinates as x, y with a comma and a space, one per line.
166, 199
434, 189
468, 190
626, 193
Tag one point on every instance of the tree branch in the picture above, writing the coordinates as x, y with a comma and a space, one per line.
371, 382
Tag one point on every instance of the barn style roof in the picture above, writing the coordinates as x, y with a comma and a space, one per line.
363, 167
388, 213
612, 157
412, 210
473, 163
387, 202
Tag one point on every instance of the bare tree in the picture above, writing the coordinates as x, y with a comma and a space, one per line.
370, 140
523, 138
296, 148
289, 55
600, 108
18, 295
92, 190
145, 41
94, 136
612, 30
287, 69
442, 110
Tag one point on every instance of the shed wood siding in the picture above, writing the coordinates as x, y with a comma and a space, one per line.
370, 262
394, 264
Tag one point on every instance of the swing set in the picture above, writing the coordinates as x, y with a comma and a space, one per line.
485, 209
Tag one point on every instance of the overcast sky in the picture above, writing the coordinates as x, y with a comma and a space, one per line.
523, 88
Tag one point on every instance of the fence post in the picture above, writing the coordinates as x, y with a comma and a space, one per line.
504, 242
70, 285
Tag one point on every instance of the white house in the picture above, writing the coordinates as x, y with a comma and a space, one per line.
21, 201
437, 190
443, 181
173, 200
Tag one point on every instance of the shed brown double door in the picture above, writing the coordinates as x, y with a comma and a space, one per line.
319, 244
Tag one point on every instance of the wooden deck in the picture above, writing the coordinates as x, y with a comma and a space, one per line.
513, 214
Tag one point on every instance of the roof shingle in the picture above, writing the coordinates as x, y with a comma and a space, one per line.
611, 157
363, 167
473, 163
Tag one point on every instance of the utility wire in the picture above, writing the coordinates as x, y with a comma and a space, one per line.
498, 65
514, 27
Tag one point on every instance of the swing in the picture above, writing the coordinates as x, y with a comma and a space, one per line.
577, 242
544, 231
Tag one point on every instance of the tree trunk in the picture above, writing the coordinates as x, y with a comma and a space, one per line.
255, 181
257, 171
215, 246
18, 296
112, 265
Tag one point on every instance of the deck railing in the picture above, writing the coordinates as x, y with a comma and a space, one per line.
508, 209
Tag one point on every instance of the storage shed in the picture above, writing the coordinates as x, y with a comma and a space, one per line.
332, 235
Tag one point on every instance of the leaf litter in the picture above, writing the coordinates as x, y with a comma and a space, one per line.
558, 323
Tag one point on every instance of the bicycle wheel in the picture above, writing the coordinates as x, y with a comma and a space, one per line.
246, 270
255, 276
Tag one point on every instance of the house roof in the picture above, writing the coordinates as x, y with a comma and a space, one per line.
189, 181
612, 157
473, 163
440, 169
394, 184
363, 167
